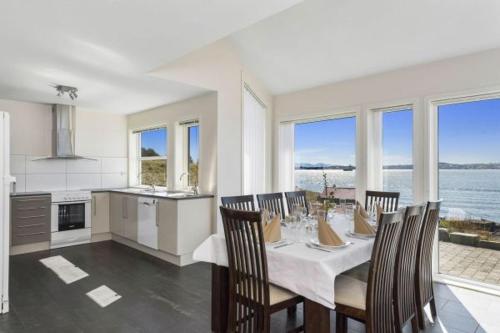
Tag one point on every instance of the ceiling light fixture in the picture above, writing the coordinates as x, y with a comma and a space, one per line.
61, 90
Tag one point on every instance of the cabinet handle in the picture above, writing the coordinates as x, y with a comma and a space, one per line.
30, 217
94, 203
157, 213
30, 225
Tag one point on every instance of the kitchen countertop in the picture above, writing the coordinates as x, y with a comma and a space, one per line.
25, 194
159, 194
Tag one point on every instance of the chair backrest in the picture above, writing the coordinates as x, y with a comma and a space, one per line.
248, 309
273, 202
388, 200
379, 307
296, 198
239, 202
423, 286
404, 275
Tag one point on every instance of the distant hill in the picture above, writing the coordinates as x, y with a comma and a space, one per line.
443, 166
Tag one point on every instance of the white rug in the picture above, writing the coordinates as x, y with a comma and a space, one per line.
64, 269
103, 296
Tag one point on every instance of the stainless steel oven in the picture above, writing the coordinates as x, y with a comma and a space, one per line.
70, 218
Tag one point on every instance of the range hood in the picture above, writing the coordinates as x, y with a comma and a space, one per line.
63, 134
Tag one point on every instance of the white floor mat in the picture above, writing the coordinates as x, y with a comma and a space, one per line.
103, 296
64, 269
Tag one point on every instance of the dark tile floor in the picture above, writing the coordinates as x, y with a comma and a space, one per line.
156, 296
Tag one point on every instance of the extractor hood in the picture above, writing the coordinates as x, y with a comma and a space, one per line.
63, 134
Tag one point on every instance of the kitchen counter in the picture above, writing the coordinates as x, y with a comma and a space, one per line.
172, 195
25, 194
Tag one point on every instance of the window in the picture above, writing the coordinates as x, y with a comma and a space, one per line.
469, 185
254, 143
152, 156
325, 155
397, 153
193, 152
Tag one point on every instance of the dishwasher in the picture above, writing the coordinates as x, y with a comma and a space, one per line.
147, 224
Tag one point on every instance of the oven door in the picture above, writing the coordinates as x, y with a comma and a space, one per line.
70, 215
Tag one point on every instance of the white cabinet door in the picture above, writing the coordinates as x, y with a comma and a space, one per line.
147, 224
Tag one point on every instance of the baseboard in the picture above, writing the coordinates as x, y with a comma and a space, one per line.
29, 248
182, 260
105, 236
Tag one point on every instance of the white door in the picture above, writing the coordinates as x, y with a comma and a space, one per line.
147, 222
5, 181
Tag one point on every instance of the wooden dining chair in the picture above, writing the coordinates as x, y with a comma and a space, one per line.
404, 274
273, 202
371, 302
239, 202
296, 198
388, 200
252, 299
423, 277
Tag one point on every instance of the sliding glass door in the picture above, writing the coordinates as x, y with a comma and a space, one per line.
469, 185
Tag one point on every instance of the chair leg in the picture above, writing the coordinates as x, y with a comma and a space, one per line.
341, 323
432, 304
292, 311
414, 325
421, 317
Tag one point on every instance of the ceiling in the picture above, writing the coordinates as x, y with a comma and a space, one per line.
326, 41
105, 47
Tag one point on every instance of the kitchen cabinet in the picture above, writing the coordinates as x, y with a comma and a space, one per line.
30, 219
100, 213
123, 215
183, 225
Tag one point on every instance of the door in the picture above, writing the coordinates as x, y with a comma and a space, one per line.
5, 181
100, 213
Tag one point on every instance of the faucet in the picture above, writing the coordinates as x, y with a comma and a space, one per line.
182, 175
194, 188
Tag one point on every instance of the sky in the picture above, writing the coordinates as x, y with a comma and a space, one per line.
468, 133
157, 140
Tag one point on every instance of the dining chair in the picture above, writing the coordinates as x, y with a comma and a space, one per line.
296, 198
404, 274
423, 277
371, 302
273, 202
388, 200
239, 202
252, 299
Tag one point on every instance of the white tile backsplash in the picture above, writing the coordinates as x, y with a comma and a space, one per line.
77, 181
17, 164
56, 175
45, 182
36, 166
114, 180
114, 165
83, 166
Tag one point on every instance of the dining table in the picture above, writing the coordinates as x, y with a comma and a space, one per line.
306, 270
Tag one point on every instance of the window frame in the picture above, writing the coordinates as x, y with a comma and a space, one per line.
185, 126
432, 121
376, 151
140, 158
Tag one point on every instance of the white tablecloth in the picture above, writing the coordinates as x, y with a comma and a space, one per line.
307, 272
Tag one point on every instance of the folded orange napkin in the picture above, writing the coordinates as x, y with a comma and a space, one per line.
361, 224
326, 235
362, 210
272, 230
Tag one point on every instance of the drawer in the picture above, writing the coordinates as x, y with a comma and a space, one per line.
33, 212
30, 219
30, 203
32, 233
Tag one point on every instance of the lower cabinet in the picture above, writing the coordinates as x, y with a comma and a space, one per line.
100, 213
30, 219
123, 215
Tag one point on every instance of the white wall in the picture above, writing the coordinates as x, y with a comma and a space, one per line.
202, 108
218, 67
98, 135
463, 75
